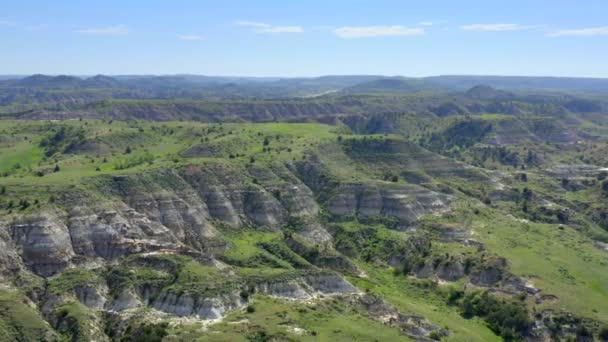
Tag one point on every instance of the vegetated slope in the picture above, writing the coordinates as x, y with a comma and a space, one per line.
184, 230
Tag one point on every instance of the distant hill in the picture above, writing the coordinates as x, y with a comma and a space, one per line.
38, 80
100, 81
392, 85
566, 84
484, 92
456, 93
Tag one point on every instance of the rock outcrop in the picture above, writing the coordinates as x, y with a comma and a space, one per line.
406, 202
44, 243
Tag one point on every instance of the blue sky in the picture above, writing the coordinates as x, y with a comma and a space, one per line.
306, 37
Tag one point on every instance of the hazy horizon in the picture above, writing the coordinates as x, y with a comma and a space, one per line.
290, 77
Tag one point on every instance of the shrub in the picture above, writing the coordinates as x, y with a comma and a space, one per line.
435, 336
146, 333
244, 294
134, 161
506, 318
23, 204
62, 140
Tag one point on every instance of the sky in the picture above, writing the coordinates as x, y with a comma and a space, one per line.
305, 38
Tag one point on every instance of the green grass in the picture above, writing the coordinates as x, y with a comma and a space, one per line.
326, 320
19, 321
404, 294
245, 245
560, 261
71, 278
153, 146
78, 322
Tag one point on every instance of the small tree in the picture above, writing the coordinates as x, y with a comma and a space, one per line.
56, 169
605, 186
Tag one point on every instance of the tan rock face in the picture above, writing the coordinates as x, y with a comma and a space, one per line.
43, 242
405, 202
214, 307
174, 210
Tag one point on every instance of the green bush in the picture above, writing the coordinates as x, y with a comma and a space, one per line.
134, 161
146, 333
65, 139
509, 319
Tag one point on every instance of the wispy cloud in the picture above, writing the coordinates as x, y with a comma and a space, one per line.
426, 23
584, 32
22, 26
115, 30
376, 31
252, 24
190, 37
496, 27
259, 27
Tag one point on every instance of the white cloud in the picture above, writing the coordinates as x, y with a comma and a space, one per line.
426, 23
252, 24
283, 29
376, 31
495, 27
259, 27
584, 32
191, 37
23, 26
116, 30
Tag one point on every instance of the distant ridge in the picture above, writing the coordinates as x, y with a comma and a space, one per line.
392, 85
484, 92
